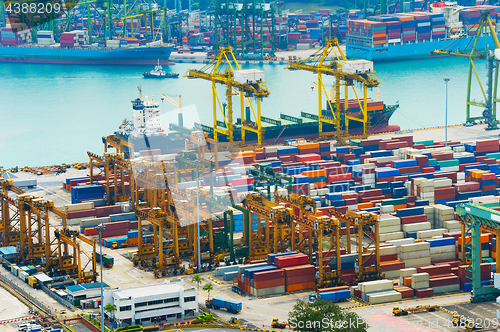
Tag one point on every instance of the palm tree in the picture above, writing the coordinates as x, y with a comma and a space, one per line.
208, 288
197, 279
110, 308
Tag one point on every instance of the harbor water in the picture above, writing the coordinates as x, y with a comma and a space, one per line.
54, 114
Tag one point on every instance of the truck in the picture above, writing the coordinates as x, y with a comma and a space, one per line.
277, 325
231, 306
336, 296
107, 260
397, 311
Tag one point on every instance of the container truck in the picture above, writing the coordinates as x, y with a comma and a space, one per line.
337, 296
231, 306
107, 260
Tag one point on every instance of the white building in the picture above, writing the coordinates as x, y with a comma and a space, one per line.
165, 302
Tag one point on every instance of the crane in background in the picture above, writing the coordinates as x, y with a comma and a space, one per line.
490, 94
331, 61
248, 83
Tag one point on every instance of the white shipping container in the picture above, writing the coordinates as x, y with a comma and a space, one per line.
407, 272
443, 249
357, 66
400, 242
386, 209
428, 234
452, 225
394, 274
418, 262
269, 291
94, 221
249, 76
415, 227
444, 256
391, 236
419, 284
414, 254
415, 247
420, 277
79, 207
446, 289
384, 297
442, 182
375, 286
384, 251
389, 221
389, 229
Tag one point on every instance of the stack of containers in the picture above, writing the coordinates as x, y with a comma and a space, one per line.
470, 17
444, 217
442, 249
45, 37
13, 36
87, 192
417, 254
424, 189
393, 31
298, 273
423, 26
420, 283
380, 291
268, 282
413, 220
443, 190
69, 39
408, 27
244, 282
465, 276
441, 279
438, 29
485, 247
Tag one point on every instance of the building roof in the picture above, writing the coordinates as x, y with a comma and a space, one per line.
42, 278
150, 290
83, 287
10, 250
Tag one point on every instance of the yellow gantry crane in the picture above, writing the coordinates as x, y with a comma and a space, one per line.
331, 61
248, 83
490, 95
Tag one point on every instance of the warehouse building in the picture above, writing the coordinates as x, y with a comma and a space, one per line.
81, 292
167, 302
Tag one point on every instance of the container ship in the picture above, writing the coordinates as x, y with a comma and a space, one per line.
74, 48
416, 34
306, 125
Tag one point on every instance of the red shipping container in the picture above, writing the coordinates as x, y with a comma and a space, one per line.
413, 219
434, 270
291, 260
405, 291
466, 187
443, 281
268, 283
300, 270
408, 170
387, 258
449, 175
90, 231
268, 275
300, 279
384, 267
426, 292
453, 264
370, 193
422, 161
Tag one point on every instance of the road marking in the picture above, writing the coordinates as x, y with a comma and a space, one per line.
9, 299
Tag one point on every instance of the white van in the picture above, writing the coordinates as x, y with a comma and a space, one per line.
23, 326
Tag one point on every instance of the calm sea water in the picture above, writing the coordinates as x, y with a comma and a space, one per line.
51, 114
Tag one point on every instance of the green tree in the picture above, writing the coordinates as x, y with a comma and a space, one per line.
208, 287
110, 308
324, 316
197, 279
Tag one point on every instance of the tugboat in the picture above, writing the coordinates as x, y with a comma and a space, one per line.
158, 72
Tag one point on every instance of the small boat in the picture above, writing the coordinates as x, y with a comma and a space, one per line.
158, 72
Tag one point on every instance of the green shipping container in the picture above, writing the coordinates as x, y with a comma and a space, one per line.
432, 162
494, 155
395, 201
448, 163
426, 143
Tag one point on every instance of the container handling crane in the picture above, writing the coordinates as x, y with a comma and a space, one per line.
493, 57
331, 61
249, 83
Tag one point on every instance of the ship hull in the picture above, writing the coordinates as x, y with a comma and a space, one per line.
413, 50
83, 56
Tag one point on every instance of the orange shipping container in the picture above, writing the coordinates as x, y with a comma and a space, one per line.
301, 286
379, 42
485, 238
319, 185
400, 206
308, 146
365, 205
259, 150
407, 281
314, 174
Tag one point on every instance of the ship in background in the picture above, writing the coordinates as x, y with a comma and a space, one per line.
417, 34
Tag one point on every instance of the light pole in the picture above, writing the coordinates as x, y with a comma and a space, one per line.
100, 228
198, 211
446, 80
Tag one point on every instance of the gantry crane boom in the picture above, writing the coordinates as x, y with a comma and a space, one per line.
330, 61
490, 94
236, 78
